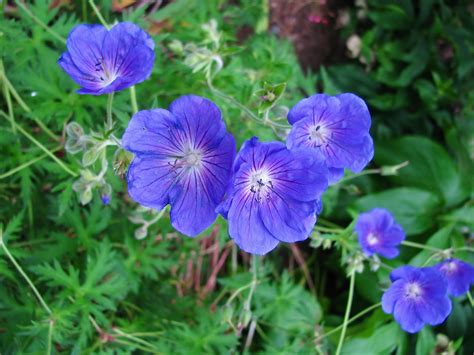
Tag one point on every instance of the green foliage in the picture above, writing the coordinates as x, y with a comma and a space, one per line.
111, 292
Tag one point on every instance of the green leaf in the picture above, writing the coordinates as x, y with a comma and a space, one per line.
330, 87
441, 239
383, 341
458, 321
391, 16
430, 168
426, 342
413, 208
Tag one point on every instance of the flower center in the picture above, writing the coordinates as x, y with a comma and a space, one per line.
449, 266
318, 135
372, 239
260, 185
105, 76
413, 290
191, 159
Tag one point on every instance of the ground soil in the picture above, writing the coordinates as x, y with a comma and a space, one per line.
311, 26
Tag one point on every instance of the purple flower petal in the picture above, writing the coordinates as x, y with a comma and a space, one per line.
150, 181
148, 132
194, 204
406, 314
435, 311
246, 227
84, 45
392, 295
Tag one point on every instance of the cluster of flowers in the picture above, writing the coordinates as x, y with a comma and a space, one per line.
269, 192
417, 296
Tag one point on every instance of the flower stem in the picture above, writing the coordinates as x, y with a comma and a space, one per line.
365, 172
27, 164
110, 101
40, 23
134, 338
348, 311
22, 273
469, 297
420, 246
243, 107
133, 100
357, 316
41, 146
50, 337
98, 14
328, 230
8, 99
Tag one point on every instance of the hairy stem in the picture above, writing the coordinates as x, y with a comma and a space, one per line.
23, 105
8, 99
110, 102
133, 100
98, 14
328, 230
354, 318
362, 173
348, 312
27, 164
243, 107
50, 337
469, 297
420, 246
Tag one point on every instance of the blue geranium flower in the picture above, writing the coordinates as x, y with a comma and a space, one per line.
458, 274
102, 61
379, 233
417, 296
338, 127
183, 157
274, 195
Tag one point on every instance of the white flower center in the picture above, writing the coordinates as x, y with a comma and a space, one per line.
105, 76
260, 185
450, 266
413, 290
318, 135
193, 158
372, 239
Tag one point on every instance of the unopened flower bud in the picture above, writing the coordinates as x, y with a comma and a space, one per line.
246, 317
392, 169
141, 232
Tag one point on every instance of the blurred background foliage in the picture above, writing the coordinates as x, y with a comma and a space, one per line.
110, 290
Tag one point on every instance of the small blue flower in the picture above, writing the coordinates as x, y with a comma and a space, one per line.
105, 199
379, 233
102, 61
183, 157
338, 127
274, 195
417, 296
458, 274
